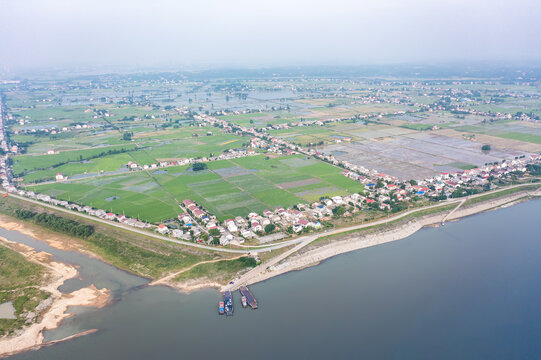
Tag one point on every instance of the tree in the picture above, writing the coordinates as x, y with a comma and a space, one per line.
269, 228
413, 182
127, 136
199, 166
485, 147
534, 169
339, 210
214, 232
380, 184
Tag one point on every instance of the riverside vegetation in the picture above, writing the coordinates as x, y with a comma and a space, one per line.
136, 253
19, 284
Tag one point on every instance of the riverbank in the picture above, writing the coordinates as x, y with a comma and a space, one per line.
55, 307
315, 250
311, 255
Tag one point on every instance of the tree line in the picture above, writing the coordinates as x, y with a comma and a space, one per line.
56, 223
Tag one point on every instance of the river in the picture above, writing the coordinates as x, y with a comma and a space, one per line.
467, 290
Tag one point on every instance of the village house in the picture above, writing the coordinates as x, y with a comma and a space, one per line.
256, 226
177, 233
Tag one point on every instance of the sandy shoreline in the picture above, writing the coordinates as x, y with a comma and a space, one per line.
56, 305
31, 336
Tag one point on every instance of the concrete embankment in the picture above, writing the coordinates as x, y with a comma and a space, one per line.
313, 254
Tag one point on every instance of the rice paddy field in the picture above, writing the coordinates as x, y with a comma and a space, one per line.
146, 148
405, 128
228, 188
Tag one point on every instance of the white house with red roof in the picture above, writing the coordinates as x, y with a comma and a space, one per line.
162, 229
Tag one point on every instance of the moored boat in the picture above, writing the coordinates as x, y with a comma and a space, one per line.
228, 303
247, 294
221, 308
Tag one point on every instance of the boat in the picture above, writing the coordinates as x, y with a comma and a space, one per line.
243, 300
228, 303
221, 308
250, 299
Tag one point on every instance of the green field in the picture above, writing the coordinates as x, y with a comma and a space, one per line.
139, 195
228, 188
462, 165
532, 138
150, 147
260, 119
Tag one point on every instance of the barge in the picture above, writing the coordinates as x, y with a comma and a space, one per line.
250, 299
228, 303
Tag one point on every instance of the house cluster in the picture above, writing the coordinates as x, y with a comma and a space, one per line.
394, 189
100, 213
51, 129
447, 182
5, 173
226, 155
195, 221
3, 118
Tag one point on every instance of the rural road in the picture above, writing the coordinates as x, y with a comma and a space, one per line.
300, 242
303, 241
129, 228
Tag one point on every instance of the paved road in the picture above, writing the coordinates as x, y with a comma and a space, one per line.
303, 240
263, 267
453, 211
126, 227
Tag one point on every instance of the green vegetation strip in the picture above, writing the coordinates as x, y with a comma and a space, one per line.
371, 229
124, 249
531, 138
220, 271
501, 193
19, 279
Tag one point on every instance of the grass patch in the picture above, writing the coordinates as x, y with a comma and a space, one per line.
500, 194
220, 271
462, 165
18, 281
136, 253
531, 138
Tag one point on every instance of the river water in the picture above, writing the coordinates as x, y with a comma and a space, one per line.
468, 290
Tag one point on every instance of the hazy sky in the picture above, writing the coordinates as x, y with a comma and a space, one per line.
36, 33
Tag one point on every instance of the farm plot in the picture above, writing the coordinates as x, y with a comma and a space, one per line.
418, 155
227, 189
259, 120
194, 147
135, 195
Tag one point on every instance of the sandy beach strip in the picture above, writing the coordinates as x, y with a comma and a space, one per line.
58, 303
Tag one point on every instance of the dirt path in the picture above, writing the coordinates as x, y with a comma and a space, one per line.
168, 278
